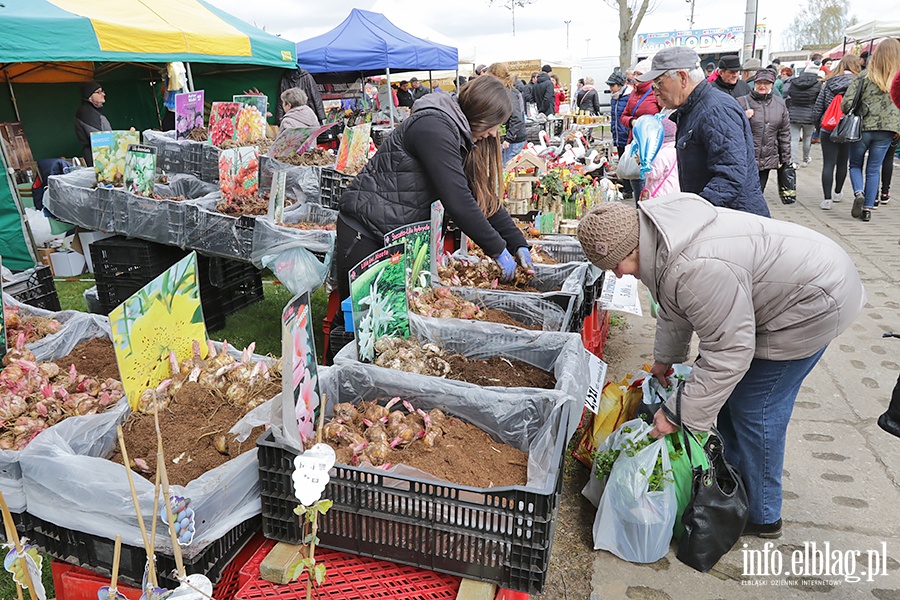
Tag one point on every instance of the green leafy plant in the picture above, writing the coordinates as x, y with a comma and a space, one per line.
309, 521
605, 460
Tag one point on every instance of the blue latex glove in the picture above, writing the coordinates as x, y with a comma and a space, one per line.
507, 265
523, 257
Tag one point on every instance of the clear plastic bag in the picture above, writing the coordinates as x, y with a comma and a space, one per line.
633, 522
298, 269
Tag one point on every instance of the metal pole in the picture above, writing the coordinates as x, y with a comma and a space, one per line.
390, 96
749, 30
190, 78
12, 96
567, 33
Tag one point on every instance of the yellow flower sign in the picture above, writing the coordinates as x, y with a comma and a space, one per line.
163, 316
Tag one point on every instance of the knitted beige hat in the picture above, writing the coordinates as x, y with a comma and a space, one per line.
609, 233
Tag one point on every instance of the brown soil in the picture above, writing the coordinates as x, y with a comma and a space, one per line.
95, 357
314, 157
464, 455
189, 424
498, 316
545, 259
500, 372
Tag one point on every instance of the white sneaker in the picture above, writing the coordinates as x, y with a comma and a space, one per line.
826, 204
806, 162
837, 196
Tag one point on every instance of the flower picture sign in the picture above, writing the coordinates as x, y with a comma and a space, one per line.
223, 122
239, 173
251, 118
188, 113
299, 362
163, 316
379, 303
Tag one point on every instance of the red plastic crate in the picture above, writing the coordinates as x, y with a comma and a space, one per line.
595, 331
232, 580
355, 578
250, 569
75, 583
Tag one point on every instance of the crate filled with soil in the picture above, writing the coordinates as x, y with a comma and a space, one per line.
441, 505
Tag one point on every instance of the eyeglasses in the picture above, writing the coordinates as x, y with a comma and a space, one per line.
100, 92
657, 83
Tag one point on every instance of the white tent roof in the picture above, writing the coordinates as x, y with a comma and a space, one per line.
887, 26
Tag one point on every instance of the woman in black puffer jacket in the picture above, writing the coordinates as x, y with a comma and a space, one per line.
447, 150
835, 157
800, 97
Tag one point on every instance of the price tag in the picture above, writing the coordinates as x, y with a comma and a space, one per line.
597, 378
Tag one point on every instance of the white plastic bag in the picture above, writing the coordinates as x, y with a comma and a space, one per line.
633, 522
653, 393
593, 489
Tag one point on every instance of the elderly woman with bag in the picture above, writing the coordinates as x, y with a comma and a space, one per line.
770, 125
764, 296
880, 124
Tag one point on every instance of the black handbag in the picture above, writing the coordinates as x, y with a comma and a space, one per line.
717, 512
849, 128
787, 183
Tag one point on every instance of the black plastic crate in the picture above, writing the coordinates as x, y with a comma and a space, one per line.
141, 260
96, 553
209, 164
338, 337
243, 231
331, 187
193, 159
502, 535
38, 290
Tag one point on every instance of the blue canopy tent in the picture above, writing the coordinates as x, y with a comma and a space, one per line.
368, 42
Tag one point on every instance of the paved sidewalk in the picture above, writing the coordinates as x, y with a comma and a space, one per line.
842, 473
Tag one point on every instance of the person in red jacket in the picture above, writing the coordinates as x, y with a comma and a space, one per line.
559, 94
641, 102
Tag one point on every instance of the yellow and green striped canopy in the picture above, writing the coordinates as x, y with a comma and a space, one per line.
83, 31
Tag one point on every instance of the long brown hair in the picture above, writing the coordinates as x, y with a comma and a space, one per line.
849, 62
486, 104
884, 64
500, 71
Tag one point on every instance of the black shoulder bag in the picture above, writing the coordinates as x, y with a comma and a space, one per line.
849, 128
717, 512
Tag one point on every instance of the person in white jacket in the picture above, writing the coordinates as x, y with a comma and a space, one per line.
663, 179
764, 296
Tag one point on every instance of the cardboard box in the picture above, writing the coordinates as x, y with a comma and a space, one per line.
67, 264
44, 255
86, 238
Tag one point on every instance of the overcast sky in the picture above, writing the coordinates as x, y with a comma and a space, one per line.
483, 32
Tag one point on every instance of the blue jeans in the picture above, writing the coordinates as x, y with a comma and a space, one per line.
753, 423
512, 151
877, 144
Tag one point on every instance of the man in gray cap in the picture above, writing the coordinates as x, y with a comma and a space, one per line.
716, 159
418, 90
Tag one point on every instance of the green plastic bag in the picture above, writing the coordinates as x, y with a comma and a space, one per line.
682, 471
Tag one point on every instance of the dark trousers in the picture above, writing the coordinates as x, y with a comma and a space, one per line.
835, 159
764, 178
351, 247
894, 407
887, 167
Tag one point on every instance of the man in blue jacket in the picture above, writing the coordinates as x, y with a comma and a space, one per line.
714, 144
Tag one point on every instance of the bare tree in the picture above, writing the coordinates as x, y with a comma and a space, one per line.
511, 5
819, 23
631, 13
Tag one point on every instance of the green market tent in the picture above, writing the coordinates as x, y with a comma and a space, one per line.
49, 46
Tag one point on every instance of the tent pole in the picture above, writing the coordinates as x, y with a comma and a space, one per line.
190, 78
12, 96
390, 96
430, 80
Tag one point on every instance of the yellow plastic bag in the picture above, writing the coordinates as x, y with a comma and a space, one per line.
618, 403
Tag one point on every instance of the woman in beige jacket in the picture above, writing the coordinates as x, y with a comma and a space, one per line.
765, 297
